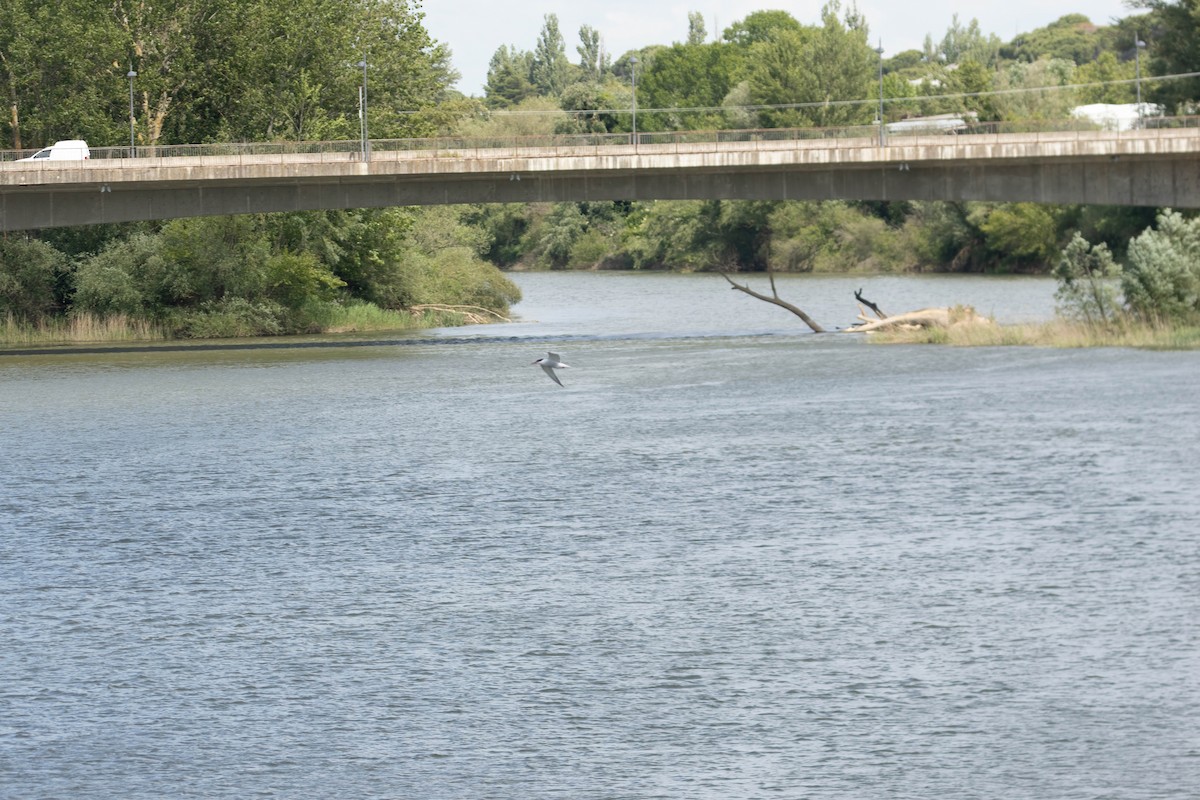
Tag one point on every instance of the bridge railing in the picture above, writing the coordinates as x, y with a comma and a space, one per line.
837, 137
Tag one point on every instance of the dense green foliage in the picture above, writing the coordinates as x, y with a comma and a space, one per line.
234, 70
260, 274
1162, 277
771, 70
1173, 39
1160, 282
32, 279
214, 70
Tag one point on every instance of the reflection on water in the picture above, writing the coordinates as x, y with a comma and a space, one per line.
727, 559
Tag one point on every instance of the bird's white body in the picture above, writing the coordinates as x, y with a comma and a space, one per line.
550, 363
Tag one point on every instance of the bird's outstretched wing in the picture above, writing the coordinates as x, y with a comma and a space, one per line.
549, 371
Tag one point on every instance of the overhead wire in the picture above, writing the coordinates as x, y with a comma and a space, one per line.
827, 103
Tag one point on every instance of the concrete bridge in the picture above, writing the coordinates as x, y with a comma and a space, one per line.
1149, 167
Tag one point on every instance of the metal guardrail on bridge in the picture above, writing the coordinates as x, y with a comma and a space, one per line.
849, 136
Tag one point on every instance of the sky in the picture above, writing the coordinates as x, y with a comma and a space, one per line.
474, 29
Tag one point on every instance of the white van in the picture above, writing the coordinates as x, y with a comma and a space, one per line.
69, 150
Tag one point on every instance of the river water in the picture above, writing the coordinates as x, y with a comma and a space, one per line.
730, 559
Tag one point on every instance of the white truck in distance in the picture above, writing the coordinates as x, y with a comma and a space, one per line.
68, 150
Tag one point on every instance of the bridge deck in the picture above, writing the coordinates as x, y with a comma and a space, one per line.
1145, 167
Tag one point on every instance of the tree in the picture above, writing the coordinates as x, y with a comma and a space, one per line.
760, 26
510, 77
906, 60
948, 236
593, 61
963, 43
551, 71
287, 76
974, 82
117, 279
1109, 76
410, 70
1162, 278
1023, 236
1040, 90
166, 42
696, 32
209, 259
1070, 38
204, 74
58, 72
1086, 289
779, 76
591, 104
829, 69
1175, 49
687, 76
673, 234
841, 66
33, 278
554, 237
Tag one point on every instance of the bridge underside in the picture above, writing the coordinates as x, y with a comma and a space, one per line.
1164, 181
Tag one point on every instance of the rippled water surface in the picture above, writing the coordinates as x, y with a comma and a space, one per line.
728, 560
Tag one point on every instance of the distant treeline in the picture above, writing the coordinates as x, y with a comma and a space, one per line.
772, 70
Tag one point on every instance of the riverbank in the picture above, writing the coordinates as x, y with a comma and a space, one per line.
119, 329
1056, 333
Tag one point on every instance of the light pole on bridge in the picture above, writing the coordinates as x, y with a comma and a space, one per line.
1138, 44
362, 110
633, 62
132, 147
879, 50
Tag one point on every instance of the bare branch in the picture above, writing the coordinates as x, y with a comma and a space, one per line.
859, 297
775, 301
477, 315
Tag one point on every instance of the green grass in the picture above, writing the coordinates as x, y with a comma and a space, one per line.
363, 317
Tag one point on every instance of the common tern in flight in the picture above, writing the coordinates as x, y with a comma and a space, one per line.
550, 363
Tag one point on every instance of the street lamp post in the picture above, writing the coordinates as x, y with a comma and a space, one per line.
132, 147
1138, 44
362, 111
633, 62
879, 50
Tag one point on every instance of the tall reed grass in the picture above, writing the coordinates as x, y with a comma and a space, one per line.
81, 329
354, 317
366, 317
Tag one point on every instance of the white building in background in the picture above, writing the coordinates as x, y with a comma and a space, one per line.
1116, 117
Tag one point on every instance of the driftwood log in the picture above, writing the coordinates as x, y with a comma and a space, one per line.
476, 315
924, 318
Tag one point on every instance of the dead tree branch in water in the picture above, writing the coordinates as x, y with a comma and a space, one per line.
859, 297
775, 300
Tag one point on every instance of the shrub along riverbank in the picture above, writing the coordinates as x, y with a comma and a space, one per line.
1152, 300
251, 275
398, 269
